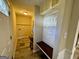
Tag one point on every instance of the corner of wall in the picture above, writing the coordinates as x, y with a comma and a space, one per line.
64, 54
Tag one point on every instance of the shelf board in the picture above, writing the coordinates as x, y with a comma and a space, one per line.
55, 7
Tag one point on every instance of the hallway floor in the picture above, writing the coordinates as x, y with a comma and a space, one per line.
76, 54
26, 53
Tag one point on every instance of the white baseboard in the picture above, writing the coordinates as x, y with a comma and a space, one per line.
34, 51
4, 52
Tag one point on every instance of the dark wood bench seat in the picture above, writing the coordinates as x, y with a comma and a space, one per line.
46, 49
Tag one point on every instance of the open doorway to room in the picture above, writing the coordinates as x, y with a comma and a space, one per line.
24, 27
24, 23
23, 10
24, 30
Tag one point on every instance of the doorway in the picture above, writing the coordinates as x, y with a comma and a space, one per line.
24, 45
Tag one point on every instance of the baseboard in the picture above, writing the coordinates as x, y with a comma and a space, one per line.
4, 52
34, 51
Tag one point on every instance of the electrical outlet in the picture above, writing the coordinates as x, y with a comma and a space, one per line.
65, 35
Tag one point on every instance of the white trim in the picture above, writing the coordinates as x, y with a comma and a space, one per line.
75, 40
4, 52
51, 8
55, 12
7, 50
43, 52
34, 51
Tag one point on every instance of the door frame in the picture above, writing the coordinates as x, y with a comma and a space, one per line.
75, 41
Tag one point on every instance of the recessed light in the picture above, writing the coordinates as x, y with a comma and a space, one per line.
25, 14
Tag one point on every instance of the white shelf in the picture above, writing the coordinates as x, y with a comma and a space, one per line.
50, 9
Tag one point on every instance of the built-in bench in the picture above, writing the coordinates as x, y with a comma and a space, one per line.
46, 49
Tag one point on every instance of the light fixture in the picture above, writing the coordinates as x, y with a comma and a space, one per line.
25, 13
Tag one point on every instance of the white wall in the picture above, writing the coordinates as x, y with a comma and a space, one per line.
37, 30
5, 32
72, 26
69, 25
12, 29
4, 35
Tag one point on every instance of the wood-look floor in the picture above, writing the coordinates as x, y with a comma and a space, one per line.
26, 53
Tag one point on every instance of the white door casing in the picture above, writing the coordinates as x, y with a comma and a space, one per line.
75, 40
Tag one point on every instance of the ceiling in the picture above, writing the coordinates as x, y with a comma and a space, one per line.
25, 5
